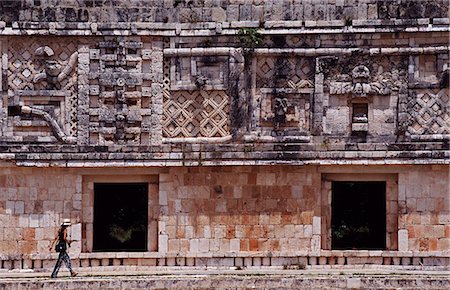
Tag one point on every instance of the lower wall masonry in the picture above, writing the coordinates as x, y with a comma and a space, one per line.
220, 211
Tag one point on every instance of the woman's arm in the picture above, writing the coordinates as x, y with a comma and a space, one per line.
65, 237
53, 242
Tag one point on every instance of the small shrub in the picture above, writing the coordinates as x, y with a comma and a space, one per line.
250, 37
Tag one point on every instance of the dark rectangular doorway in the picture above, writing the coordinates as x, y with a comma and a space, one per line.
120, 217
358, 215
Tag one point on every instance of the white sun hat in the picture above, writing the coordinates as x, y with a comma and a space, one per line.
66, 222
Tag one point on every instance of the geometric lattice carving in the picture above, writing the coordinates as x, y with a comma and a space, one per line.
429, 112
42, 75
195, 114
24, 65
283, 72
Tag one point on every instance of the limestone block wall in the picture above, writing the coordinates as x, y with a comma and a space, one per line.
32, 204
223, 210
240, 209
425, 208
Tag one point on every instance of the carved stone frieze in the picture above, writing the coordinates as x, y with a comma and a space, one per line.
362, 77
285, 110
284, 72
196, 114
120, 91
428, 112
196, 87
195, 72
42, 91
283, 87
53, 73
360, 85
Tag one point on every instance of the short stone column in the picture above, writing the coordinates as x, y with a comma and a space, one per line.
403, 240
316, 239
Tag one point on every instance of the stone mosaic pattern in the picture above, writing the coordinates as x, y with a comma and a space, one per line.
195, 102
72, 11
284, 72
152, 90
120, 95
41, 75
429, 112
196, 114
283, 81
379, 82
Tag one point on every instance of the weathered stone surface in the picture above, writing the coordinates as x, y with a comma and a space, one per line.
239, 115
239, 281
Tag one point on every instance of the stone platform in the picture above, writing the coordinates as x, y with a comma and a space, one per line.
230, 279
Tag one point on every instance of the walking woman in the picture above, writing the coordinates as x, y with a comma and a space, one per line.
61, 247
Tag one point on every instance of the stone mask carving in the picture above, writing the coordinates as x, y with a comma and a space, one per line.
54, 72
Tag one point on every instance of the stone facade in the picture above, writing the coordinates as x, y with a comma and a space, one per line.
238, 115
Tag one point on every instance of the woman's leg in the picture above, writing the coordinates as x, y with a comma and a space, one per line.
58, 265
66, 259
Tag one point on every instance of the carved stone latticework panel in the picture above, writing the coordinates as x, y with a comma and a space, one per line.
284, 72
428, 111
42, 90
120, 91
196, 114
195, 99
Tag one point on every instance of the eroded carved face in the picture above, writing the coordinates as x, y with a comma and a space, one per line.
52, 67
360, 72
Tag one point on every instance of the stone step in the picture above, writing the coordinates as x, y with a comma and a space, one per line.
227, 280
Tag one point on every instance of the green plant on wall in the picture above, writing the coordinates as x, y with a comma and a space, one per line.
250, 37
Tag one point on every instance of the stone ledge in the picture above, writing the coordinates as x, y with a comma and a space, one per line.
139, 261
170, 278
227, 28
156, 255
